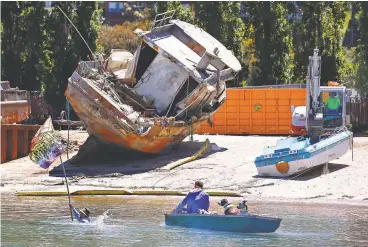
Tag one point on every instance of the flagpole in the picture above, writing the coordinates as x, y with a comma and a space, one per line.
67, 187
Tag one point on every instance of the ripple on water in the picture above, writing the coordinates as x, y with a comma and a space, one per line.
140, 222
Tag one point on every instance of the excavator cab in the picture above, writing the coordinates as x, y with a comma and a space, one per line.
334, 107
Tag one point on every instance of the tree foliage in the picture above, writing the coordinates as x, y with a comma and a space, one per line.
65, 47
267, 44
362, 51
121, 36
221, 20
183, 14
40, 49
320, 28
23, 37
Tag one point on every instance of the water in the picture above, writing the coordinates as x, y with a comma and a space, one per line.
139, 221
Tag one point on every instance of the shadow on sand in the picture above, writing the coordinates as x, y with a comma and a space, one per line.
96, 159
311, 174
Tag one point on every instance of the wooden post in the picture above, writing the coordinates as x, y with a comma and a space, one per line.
352, 147
325, 169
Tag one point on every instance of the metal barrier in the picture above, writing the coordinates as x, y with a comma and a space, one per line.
15, 140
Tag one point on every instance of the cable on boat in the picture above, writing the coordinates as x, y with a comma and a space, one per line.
75, 29
67, 144
190, 104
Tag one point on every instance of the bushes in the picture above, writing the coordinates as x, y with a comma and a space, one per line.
121, 36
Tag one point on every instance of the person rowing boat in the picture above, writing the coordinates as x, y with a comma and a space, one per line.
197, 201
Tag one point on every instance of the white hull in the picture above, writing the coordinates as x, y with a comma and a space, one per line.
297, 166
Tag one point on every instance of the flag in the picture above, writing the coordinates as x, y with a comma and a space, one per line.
46, 145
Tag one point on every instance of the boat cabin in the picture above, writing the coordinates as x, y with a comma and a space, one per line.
178, 67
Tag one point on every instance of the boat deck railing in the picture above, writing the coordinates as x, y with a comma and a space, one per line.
162, 19
336, 131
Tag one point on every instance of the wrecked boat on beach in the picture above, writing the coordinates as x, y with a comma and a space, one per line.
156, 97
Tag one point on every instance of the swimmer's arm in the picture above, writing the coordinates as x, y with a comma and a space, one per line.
75, 212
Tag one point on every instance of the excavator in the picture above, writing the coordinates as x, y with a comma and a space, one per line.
298, 154
325, 107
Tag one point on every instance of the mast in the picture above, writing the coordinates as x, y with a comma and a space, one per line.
314, 121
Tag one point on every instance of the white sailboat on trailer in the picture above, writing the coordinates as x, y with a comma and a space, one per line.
297, 154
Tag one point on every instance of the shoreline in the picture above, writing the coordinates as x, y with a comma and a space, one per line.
251, 200
230, 168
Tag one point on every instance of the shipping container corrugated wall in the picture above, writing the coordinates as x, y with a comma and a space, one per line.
255, 111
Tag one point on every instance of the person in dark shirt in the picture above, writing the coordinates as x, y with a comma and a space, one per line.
196, 200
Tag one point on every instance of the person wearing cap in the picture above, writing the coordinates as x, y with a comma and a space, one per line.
81, 215
196, 200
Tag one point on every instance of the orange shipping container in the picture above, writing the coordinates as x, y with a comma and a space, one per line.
255, 111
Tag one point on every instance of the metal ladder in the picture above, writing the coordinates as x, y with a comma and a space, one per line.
162, 19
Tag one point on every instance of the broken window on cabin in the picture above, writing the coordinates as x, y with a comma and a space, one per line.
146, 57
186, 89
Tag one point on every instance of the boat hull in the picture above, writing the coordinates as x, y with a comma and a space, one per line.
228, 223
105, 122
321, 153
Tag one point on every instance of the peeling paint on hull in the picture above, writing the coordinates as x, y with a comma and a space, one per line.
106, 129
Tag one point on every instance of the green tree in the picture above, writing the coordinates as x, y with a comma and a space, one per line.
65, 47
60, 49
121, 36
161, 7
222, 21
88, 23
362, 51
183, 14
320, 27
271, 41
335, 65
307, 36
23, 36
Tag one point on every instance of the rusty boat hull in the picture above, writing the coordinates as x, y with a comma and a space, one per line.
149, 101
101, 122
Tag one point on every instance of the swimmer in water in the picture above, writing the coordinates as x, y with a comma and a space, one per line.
81, 215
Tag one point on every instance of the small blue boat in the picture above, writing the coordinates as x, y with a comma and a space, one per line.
228, 223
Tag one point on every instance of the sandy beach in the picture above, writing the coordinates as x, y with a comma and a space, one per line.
228, 168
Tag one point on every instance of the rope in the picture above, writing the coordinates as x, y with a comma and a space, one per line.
67, 144
75, 29
186, 112
67, 187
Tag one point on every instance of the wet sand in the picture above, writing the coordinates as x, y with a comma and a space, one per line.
230, 168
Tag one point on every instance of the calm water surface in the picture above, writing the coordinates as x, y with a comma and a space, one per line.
139, 221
